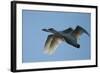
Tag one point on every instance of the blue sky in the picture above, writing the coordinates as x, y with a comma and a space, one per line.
33, 38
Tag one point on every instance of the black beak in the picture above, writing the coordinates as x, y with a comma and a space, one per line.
45, 30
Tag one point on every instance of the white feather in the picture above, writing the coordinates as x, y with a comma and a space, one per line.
52, 45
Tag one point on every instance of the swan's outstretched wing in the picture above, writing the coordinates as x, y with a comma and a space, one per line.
47, 43
69, 30
51, 44
79, 31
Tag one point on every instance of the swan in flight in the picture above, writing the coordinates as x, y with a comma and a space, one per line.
69, 35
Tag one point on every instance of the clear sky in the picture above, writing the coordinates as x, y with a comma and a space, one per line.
34, 38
